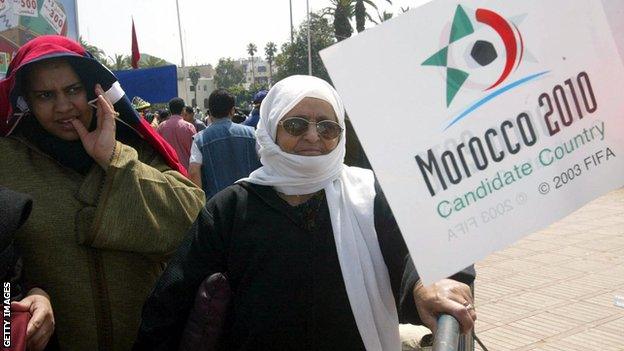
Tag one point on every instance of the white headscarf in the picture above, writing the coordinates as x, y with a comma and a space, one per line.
350, 194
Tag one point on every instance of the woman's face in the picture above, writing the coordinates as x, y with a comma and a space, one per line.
55, 96
310, 143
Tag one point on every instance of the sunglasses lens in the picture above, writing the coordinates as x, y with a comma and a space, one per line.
329, 129
295, 126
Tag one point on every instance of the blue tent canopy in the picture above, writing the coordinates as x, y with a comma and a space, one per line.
154, 85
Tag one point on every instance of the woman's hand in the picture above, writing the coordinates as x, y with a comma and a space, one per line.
41, 324
446, 296
100, 143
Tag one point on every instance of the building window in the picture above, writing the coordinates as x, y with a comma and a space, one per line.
262, 69
192, 88
206, 103
205, 87
193, 103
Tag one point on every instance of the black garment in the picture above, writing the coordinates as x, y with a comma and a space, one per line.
14, 211
287, 287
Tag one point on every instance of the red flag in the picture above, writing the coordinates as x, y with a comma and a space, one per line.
136, 56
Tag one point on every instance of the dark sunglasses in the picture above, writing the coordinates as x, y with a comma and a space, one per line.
297, 126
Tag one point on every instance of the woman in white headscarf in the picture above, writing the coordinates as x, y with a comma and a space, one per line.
312, 252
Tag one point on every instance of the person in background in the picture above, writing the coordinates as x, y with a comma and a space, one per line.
310, 247
110, 195
224, 152
207, 120
155, 120
178, 132
189, 116
163, 115
141, 106
254, 116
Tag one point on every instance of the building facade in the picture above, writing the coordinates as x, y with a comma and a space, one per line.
260, 75
205, 86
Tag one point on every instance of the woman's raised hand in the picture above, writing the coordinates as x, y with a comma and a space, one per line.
100, 143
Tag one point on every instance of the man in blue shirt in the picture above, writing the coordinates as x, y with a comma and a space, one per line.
224, 152
254, 116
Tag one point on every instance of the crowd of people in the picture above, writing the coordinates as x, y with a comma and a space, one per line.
113, 217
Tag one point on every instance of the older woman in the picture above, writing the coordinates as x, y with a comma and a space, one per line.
310, 247
110, 199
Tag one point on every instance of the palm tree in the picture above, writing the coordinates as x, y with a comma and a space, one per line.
95, 51
361, 15
251, 50
120, 62
384, 16
269, 50
152, 61
342, 11
194, 75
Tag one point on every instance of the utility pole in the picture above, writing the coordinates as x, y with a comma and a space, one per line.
180, 33
309, 46
291, 24
182, 50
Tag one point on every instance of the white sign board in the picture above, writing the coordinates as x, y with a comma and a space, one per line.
485, 120
26, 7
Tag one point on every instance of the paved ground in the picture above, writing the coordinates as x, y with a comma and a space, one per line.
554, 290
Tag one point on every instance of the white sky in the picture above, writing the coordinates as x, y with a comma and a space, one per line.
210, 28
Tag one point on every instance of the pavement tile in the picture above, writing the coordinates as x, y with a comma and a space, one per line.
583, 311
492, 291
489, 273
544, 325
518, 265
554, 289
557, 272
588, 265
595, 339
527, 280
535, 301
600, 280
567, 290
506, 338
549, 257
501, 312
616, 326
574, 252
516, 251
607, 299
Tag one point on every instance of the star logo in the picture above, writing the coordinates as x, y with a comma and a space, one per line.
482, 52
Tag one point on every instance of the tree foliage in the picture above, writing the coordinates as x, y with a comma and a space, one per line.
342, 12
228, 73
194, 75
149, 61
120, 62
95, 51
270, 50
251, 50
244, 96
293, 58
